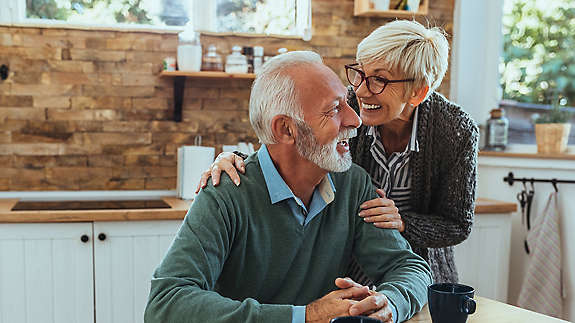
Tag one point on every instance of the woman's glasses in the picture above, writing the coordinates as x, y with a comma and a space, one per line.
375, 84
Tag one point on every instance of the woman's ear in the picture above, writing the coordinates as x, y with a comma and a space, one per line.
283, 129
418, 96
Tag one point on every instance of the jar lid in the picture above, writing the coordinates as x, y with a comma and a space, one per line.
258, 51
497, 113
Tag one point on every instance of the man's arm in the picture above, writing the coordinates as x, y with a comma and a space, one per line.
182, 286
386, 257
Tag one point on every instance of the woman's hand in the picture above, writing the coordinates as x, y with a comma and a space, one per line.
227, 162
382, 212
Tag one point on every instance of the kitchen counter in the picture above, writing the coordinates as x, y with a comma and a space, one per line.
177, 211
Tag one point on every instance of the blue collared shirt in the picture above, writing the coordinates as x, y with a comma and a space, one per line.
279, 191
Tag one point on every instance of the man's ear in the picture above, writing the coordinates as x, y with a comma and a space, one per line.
283, 129
418, 96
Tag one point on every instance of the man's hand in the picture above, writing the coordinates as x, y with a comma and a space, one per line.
374, 305
334, 304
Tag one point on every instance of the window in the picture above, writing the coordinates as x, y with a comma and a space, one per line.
537, 65
272, 17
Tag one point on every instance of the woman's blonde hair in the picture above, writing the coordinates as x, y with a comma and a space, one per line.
409, 48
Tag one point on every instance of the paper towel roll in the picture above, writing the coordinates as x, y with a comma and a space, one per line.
192, 161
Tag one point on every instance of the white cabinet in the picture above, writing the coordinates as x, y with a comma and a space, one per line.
125, 259
48, 274
483, 259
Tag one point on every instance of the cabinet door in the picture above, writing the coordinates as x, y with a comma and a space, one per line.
46, 273
124, 263
483, 259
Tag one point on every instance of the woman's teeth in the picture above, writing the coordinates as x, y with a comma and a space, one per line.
370, 106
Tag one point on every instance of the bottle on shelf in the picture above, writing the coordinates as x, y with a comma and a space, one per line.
189, 51
248, 52
497, 130
258, 58
236, 62
212, 60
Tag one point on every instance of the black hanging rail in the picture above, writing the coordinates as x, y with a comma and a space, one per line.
511, 179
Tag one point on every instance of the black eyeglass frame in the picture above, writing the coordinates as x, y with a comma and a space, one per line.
366, 78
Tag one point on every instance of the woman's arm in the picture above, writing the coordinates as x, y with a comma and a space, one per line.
451, 222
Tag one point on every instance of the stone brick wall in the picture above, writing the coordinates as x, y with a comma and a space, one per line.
87, 109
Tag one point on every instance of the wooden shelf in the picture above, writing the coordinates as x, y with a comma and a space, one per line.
364, 8
218, 75
180, 81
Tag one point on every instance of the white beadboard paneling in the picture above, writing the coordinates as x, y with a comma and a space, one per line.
483, 259
12, 281
45, 273
124, 265
39, 282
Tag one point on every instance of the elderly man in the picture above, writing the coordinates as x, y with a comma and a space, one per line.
272, 249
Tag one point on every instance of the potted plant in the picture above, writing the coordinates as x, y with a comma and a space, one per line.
552, 130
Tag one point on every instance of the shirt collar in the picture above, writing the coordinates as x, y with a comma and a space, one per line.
413, 142
277, 187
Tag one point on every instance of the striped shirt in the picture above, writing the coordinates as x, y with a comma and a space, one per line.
392, 174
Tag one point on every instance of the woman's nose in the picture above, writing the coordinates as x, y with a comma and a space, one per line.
362, 91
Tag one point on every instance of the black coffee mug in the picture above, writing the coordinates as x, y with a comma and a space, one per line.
450, 303
354, 319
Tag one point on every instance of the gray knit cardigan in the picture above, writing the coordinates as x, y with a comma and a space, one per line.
444, 176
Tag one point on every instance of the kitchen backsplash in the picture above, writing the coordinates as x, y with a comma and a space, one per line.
87, 109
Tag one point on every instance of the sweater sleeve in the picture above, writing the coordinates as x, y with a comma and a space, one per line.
182, 288
452, 221
386, 257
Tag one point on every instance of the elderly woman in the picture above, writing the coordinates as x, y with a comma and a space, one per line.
419, 148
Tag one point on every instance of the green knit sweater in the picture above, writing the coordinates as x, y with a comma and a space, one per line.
238, 258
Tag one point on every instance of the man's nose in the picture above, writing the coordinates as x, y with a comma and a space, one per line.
350, 119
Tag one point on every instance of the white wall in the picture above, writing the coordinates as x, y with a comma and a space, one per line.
477, 46
491, 185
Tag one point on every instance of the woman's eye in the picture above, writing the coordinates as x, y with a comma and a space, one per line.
380, 80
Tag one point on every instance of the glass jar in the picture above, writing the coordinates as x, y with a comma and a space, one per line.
258, 58
497, 131
212, 60
189, 51
236, 62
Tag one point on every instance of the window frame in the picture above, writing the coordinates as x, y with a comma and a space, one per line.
204, 16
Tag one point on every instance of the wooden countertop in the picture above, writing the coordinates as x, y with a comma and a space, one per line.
176, 212
493, 206
490, 311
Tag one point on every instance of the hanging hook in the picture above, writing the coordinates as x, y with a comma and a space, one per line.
524, 186
554, 183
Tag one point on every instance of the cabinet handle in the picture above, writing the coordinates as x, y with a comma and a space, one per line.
84, 238
102, 236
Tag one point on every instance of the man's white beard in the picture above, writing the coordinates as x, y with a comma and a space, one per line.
324, 156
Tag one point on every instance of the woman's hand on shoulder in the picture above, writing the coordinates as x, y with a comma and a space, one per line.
227, 162
382, 212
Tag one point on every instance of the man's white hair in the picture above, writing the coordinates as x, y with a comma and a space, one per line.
273, 92
410, 48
